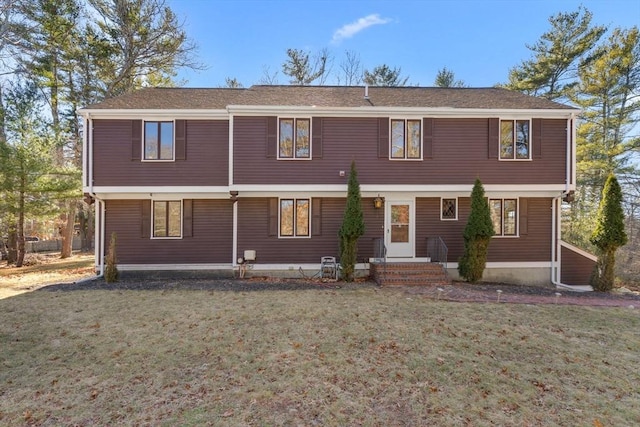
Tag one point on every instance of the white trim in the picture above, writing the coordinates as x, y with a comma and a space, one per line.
173, 267
153, 219
295, 136
194, 114
516, 264
579, 251
255, 267
406, 120
231, 154
364, 111
234, 236
144, 141
369, 111
515, 131
162, 189
103, 233
542, 190
517, 225
90, 157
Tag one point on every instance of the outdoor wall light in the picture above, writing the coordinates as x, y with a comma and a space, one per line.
378, 202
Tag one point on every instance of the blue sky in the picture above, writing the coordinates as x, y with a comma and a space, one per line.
478, 40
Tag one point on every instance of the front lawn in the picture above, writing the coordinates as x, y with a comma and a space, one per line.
330, 357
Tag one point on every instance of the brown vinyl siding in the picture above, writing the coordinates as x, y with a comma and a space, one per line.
575, 269
254, 233
206, 156
460, 151
535, 245
211, 241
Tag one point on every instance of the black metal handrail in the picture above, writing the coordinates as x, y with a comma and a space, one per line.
380, 254
437, 250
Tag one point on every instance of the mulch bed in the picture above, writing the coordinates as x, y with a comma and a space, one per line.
456, 291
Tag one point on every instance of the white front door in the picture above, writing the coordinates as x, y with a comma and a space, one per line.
399, 228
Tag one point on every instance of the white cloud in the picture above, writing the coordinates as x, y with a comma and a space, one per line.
349, 30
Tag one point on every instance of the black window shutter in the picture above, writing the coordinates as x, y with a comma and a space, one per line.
181, 139
187, 218
136, 139
494, 135
272, 137
316, 141
383, 137
145, 223
524, 216
316, 216
536, 138
427, 138
273, 217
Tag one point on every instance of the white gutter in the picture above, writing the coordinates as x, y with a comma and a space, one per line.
371, 111
574, 143
555, 241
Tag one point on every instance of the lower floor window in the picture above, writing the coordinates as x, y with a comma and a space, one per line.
167, 218
504, 214
294, 217
449, 209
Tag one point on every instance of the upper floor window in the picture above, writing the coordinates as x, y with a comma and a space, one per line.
406, 139
294, 217
158, 141
294, 140
167, 218
515, 140
504, 214
448, 209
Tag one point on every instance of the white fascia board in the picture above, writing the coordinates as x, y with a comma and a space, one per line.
579, 251
173, 267
208, 114
372, 190
110, 193
252, 110
522, 264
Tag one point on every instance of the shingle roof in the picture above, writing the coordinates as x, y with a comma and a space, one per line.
327, 96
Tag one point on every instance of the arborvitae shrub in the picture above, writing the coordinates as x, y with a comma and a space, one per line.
477, 235
111, 271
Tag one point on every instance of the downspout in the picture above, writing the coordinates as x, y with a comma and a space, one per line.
555, 240
234, 242
99, 223
556, 226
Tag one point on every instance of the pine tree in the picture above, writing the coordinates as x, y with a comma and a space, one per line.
477, 235
383, 75
608, 235
557, 56
447, 78
352, 226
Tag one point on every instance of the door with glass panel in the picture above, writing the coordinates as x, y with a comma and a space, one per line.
399, 229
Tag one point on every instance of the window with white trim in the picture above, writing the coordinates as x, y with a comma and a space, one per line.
515, 140
294, 141
406, 139
295, 217
448, 209
158, 140
167, 218
504, 215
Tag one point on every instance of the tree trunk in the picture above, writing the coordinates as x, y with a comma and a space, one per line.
12, 244
21, 245
68, 230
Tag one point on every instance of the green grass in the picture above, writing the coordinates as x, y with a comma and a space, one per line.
327, 357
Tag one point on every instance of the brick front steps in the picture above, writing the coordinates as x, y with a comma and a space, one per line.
408, 273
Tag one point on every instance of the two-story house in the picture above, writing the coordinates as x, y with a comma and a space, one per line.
190, 179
